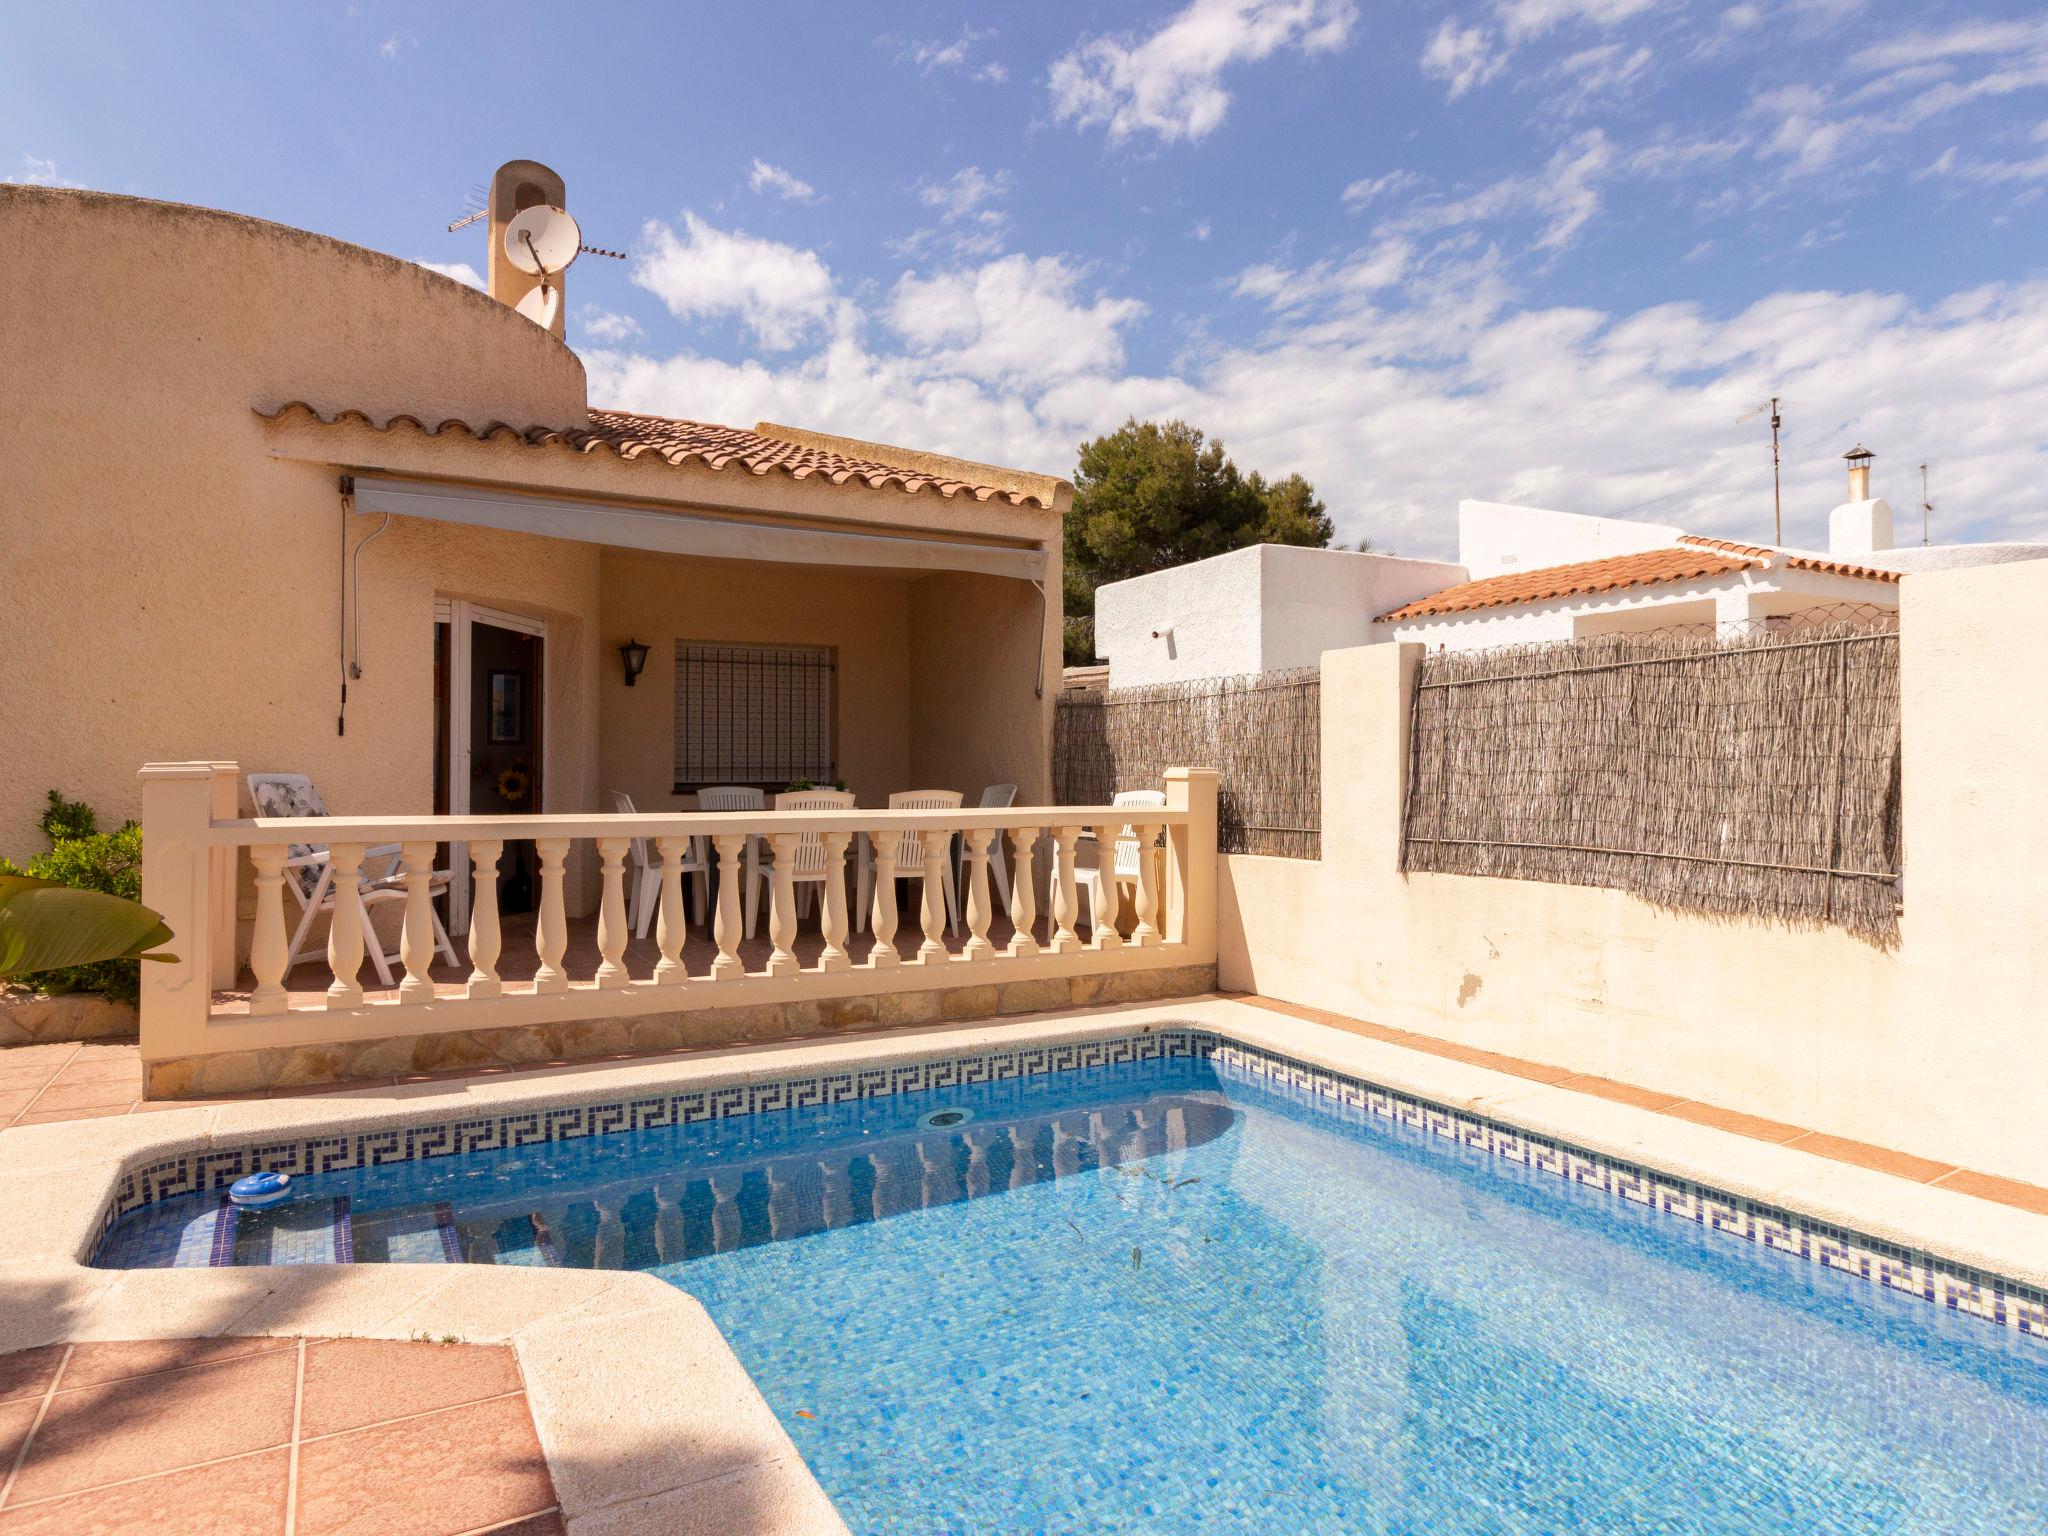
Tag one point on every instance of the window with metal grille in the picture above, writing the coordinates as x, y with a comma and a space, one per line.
753, 714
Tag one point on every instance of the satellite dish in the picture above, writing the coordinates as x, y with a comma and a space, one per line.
542, 240
541, 305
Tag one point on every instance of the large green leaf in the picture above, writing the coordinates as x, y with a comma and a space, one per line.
45, 926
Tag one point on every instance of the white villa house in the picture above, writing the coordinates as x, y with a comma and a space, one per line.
1523, 575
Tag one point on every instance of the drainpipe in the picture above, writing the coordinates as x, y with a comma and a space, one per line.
352, 617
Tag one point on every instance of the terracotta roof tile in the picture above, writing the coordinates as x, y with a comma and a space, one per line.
1789, 557
1585, 576
676, 441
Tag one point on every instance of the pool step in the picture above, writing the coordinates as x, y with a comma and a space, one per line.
420, 1234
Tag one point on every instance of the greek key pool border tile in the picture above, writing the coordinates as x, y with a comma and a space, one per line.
1888, 1266
1956, 1288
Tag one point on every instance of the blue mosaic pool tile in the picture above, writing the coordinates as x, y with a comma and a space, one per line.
1954, 1287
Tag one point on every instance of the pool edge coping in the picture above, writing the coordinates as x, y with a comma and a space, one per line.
601, 1349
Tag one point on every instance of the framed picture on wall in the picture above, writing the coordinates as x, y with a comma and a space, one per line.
508, 709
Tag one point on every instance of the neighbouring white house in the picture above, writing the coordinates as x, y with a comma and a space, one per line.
1263, 609
1523, 574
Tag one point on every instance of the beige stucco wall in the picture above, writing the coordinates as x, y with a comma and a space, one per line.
977, 645
1937, 1048
863, 616
171, 589
173, 575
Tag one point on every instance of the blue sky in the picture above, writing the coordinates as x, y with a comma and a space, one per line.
1544, 250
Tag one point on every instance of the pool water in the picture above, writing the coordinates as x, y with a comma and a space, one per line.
1168, 1296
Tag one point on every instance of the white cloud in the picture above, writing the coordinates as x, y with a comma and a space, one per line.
763, 177
39, 173
1461, 57
1565, 195
778, 292
1016, 318
1200, 230
938, 54
1610, 67
1355, 278
1532, 18
605, 327
1370, 189
992, 72
461, 271
1170, 83
966, 194
1397, 401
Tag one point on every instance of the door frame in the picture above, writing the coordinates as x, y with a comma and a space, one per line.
459, 614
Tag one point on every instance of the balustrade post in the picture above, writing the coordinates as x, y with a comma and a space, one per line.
184, 878
1023, 894
345, 926
485, 938
976, 895
937, 844
732, 848
782, 912
1191, 862
1065, 905
833, 919
1108, 899
670, 923
416, 939
611, 913
267, 950
1146, 934
551, 926
883, 917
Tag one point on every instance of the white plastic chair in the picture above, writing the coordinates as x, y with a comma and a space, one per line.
310, 878
808, 864
1123, 860
910, 851
643, 875
736, 797
997, 797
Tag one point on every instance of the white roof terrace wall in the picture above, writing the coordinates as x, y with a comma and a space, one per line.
1497, 538
1261, 609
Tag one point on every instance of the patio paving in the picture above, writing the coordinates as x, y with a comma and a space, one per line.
302, 1437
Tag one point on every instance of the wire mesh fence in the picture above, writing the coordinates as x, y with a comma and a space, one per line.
1745, 770
1262, 733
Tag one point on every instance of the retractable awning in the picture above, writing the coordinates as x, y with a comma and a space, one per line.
683, 533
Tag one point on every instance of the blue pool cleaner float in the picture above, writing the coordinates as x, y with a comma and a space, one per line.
261, 1190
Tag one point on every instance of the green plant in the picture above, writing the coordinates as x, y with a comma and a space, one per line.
798, 786
85, 859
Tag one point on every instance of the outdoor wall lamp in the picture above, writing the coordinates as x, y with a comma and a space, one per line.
634, 655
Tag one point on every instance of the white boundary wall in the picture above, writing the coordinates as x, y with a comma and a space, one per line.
1937, 1048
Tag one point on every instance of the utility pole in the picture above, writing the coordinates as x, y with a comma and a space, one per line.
1777, 498
1777, 495
1926, 505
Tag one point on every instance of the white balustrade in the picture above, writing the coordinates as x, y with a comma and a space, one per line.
581, 864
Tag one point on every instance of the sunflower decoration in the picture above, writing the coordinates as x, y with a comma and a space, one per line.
515, 784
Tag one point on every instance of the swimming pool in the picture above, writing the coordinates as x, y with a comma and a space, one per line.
1197, 1291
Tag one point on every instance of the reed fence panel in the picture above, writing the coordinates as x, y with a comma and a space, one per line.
1262, 733
1752, 773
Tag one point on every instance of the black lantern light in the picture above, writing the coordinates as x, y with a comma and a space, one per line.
634, 655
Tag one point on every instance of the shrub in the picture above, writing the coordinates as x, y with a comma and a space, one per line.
83, 856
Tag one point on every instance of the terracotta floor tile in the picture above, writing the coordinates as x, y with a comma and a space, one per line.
27, 1372
15, 1419
123, 1429
1754, 1126
353, 1382
14, 1100
16, 1079
96, 1364
1921, 1170
243, 1498
1622, 1093
464, 1468
1989, 1186
91, 1094
126, 1068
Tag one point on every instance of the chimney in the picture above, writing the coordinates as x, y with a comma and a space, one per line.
518, 186
1862, 525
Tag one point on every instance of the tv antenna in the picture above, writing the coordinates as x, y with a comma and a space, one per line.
475, 206
1777, 493
1926, 506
